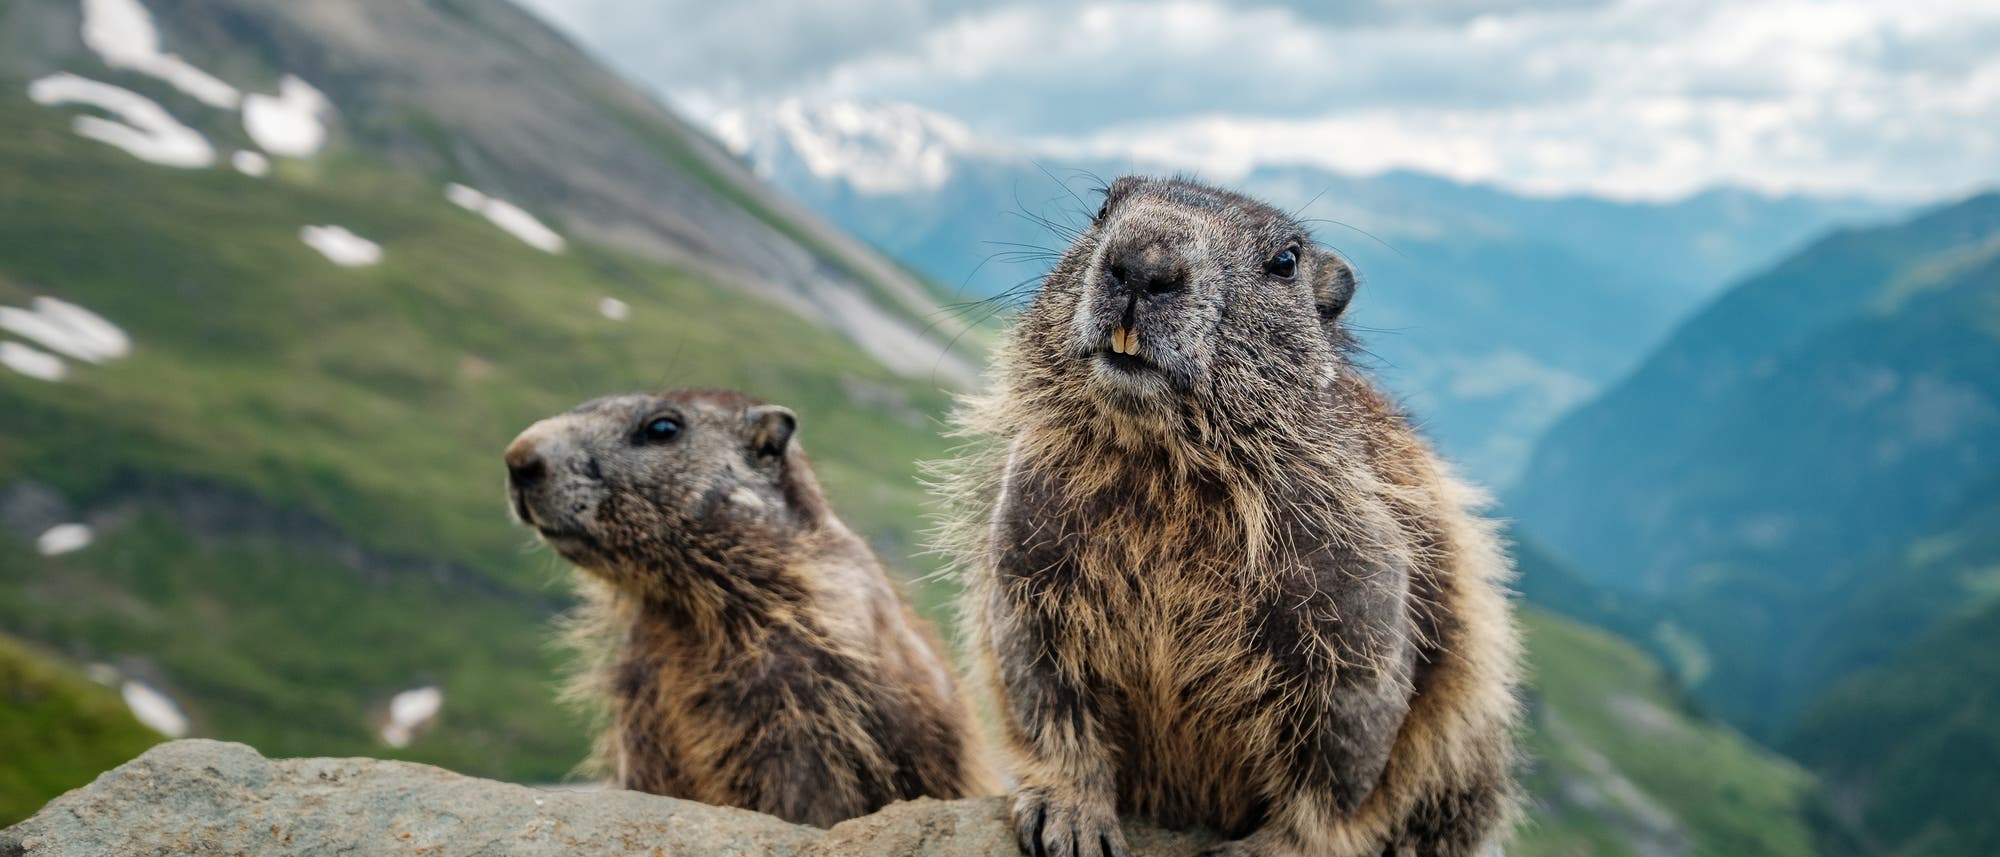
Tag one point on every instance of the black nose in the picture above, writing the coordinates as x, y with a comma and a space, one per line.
1150, 270
525, 468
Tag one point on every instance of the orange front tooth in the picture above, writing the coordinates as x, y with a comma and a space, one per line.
1124, 341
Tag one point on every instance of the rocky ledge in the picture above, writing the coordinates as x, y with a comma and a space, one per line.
211, 797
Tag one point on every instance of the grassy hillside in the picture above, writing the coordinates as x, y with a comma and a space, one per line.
1911, 750
1910, 745
295, 475
57, 730
1621, 765
1620, 762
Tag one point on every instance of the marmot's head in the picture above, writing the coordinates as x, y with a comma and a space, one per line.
627, 486
1180, 291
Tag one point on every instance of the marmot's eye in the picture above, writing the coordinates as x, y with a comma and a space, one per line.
1283, 265
1102, 211
660, 430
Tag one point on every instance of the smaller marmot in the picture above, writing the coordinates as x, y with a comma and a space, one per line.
757, 654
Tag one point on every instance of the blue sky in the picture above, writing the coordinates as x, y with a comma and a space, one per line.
1628, 98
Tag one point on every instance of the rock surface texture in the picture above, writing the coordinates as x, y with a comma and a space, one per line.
211, 797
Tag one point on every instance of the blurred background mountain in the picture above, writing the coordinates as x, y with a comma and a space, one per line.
279, 280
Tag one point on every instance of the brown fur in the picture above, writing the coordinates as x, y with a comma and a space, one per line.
1232, 588
747, 647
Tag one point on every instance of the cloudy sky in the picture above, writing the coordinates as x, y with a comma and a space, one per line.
1632, 98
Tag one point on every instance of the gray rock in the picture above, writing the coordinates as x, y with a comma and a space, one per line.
211, 797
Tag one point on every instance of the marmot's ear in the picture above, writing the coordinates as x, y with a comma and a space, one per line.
771, 428
1333, 285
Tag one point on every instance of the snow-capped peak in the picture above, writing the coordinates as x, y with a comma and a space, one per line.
875, 148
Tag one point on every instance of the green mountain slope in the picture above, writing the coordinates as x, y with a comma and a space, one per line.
1803, 481
1911, 750
1620, 765
294, 477
1618, 760
1646, 481
57, 731
1909, 746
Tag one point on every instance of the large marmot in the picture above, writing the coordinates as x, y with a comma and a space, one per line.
759, 656
1214, 575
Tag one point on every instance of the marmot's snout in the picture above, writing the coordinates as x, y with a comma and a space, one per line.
525, 465
1144, 298
548, 476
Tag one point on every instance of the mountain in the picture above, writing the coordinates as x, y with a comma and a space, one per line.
1910, 749
1869, 325
1796, 497
1621, 764
1492, 312
1825, 414
485, 94
279, 281
1619, 760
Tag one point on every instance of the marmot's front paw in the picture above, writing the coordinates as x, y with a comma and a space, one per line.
1052, 826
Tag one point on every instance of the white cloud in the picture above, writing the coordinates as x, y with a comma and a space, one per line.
1639, 98
1634, 98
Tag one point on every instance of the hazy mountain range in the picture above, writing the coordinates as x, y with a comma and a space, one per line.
1493, 313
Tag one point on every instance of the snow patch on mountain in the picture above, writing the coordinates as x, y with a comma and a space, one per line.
61, 327
64, 538
76, 331
121, 32
878, 149
147, 131
154, 709
290, 124
509, 217
250, 163
341, 246
32, 362
408, 712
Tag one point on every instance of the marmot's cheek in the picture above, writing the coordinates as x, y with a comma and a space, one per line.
1090, 329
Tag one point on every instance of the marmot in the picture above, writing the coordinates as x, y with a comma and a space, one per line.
761, 659
1214, 576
